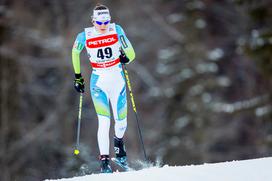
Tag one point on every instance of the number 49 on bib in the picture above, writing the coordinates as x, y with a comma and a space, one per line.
104, 52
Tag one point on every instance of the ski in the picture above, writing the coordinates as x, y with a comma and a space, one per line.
123, 165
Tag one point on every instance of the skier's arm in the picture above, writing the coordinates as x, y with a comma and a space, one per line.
78, 46
125, 43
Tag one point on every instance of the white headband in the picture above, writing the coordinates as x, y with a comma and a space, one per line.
101, 15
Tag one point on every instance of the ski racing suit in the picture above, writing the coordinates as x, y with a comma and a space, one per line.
107, 82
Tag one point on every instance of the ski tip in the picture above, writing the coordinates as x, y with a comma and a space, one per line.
126, 168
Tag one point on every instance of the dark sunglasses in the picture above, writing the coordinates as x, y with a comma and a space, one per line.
100, 23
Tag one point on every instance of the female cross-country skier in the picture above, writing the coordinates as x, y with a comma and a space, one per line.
107, 47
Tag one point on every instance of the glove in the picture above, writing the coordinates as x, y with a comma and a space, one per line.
79, 83
123, 58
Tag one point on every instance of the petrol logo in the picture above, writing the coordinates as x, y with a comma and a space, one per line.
102, 41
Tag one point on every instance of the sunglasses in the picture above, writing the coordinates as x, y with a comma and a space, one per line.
100, 23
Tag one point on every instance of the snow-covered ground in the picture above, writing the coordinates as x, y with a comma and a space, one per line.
247, 170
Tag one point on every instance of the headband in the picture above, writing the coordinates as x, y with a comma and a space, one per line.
101, 15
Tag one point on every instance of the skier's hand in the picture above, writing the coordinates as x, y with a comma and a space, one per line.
79, 83
123, 58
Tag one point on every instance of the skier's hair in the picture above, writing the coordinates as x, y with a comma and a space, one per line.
99, 6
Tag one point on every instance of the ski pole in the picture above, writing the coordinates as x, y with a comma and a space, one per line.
76, 151
134, 108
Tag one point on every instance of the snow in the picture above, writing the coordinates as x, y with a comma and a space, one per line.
240, 105
248, 170
175, 18
261, 111
216, 54
200, 23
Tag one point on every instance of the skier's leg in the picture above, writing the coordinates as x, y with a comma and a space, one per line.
101, 104
105, 167
119, 107
103, 134
120, 117
121, 156
118, 100
102, 108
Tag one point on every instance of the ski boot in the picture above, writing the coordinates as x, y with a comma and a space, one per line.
120, 152
105, 167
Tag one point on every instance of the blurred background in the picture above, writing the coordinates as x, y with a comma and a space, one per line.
202, 81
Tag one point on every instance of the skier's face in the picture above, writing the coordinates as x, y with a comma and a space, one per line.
101, 26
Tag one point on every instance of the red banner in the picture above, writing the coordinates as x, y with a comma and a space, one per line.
102, 41
106, 64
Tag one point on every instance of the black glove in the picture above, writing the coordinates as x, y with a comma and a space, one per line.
123, 58
79, 83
